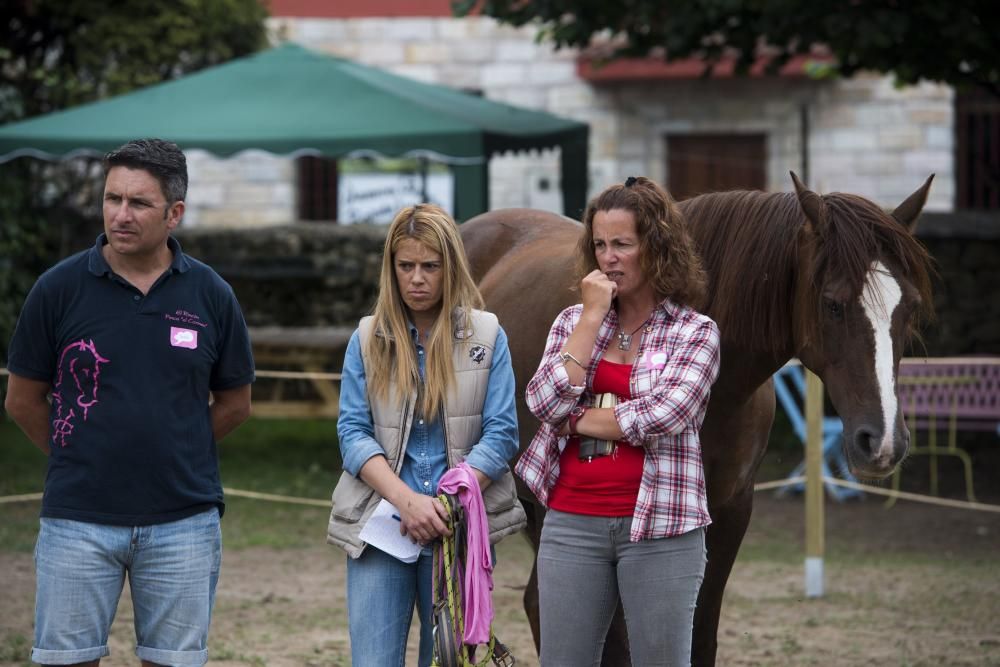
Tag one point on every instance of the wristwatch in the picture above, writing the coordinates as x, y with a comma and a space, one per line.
574, 417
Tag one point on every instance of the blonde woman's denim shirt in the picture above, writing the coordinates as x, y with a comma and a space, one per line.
425, 460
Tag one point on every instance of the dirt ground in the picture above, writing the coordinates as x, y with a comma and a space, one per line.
912, 585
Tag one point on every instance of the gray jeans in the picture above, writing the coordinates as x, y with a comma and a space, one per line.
586, 562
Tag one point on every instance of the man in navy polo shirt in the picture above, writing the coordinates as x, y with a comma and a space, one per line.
131, 338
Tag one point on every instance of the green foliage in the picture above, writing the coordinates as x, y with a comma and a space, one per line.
17, 242
951, 42
59, 53
56, 54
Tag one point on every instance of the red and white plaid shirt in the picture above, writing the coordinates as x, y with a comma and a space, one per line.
676, 364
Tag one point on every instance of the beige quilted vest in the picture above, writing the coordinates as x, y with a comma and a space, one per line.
354, 501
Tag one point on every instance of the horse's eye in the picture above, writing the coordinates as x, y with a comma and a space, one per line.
835, 309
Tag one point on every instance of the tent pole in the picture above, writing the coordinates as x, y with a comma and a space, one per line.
472, 190
574, 174
422, 161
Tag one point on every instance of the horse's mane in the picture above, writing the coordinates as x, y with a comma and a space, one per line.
760, 281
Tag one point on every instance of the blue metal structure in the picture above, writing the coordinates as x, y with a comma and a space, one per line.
790, 389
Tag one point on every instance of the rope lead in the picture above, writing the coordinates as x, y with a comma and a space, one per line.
449, 624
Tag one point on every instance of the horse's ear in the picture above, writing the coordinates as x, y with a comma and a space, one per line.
908, 212
809, 200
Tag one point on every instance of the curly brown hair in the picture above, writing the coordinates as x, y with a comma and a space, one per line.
667, 253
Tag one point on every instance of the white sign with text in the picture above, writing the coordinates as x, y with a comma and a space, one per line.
376, 197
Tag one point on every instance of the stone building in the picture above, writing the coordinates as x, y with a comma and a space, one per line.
860, 135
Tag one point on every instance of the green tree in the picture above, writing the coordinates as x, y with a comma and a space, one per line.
950, 42
56, 54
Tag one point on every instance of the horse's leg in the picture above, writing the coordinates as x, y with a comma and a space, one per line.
535, 515
616, 650
733, 445
723, 539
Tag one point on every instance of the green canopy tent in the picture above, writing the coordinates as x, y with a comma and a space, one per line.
292, 100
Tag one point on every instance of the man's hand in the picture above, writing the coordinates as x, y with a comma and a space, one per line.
28, 405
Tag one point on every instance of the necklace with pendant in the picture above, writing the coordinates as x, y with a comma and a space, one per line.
625, 339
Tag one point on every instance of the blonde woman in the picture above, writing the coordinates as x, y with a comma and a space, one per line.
427, 383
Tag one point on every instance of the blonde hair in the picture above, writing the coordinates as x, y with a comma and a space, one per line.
667, 251
391, 357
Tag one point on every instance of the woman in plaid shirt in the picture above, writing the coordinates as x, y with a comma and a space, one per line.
624, 485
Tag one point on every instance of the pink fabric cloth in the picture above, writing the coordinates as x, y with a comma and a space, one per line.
477, 602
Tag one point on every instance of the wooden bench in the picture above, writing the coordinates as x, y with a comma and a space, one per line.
948, 394
295, 379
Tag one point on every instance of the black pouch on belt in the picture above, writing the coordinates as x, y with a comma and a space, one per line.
591, 448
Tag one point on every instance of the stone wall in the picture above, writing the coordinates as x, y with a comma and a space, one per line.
327, 275
295, 275
252, 189
863, 135
873, 139
966, 250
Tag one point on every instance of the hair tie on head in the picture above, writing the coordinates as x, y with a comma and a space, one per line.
630, 181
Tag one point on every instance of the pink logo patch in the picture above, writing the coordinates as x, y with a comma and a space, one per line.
183, 338
654, 360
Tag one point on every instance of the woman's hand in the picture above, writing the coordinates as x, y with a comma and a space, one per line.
422, 518
597, 291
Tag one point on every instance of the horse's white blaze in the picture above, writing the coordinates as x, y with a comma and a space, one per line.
880, 297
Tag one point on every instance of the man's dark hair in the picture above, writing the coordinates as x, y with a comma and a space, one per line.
163, 159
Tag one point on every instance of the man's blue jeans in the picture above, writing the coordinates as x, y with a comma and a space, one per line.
81, 567
381, 593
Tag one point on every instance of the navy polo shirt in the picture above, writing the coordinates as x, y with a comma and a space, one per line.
131, 434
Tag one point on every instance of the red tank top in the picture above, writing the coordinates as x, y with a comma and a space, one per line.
607, 485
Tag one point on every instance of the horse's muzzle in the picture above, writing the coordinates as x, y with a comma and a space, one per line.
871, 456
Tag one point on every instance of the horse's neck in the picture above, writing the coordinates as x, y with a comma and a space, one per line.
744, 370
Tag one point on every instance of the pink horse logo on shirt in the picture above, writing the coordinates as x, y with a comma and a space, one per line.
76, 386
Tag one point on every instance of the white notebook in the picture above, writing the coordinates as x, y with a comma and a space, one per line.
382, 531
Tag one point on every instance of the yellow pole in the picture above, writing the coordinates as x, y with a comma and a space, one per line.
814, 486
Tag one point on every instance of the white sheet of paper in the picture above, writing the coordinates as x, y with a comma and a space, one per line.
382, 531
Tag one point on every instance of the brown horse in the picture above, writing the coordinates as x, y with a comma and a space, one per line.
833, 280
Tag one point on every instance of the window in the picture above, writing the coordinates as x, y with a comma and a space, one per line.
977, 129
317, 188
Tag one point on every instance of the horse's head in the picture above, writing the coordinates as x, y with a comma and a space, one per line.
81, 364
863, 285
